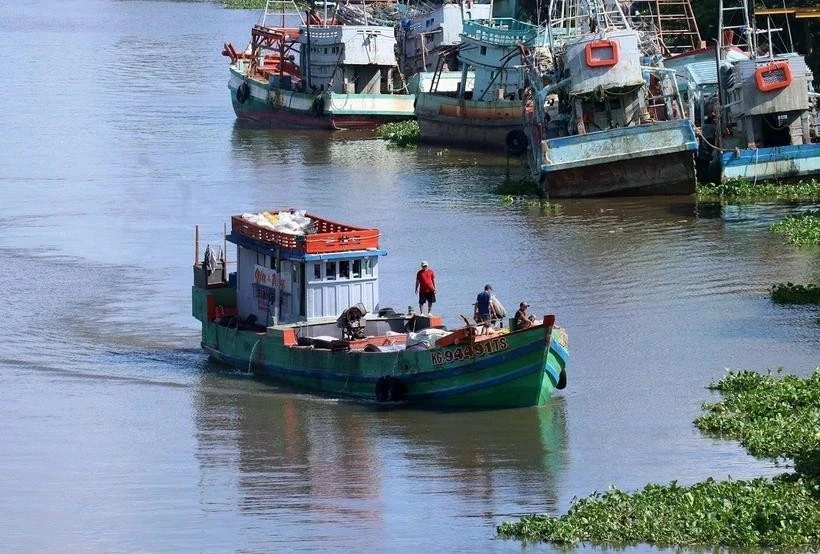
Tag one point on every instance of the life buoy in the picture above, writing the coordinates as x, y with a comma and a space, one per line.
602, 53
243, 92
562, 380
516, 142
773, 76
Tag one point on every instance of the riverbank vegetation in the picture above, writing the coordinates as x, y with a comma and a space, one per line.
789, 293
800, 229
772, 417
244, 4
400, 134
743, 191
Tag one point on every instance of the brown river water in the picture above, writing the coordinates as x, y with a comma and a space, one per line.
118, 435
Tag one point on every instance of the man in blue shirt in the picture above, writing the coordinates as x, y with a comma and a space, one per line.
483, 306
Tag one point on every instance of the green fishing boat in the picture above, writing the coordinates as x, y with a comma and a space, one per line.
302, 308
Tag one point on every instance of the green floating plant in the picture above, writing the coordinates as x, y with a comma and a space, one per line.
400, 134
789, 293
741, 190
777, 417
801, 229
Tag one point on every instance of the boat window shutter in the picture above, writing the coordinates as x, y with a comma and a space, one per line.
602, 53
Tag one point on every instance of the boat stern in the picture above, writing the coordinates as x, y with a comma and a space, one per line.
657, 158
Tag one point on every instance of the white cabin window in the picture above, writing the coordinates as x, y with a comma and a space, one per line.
368, 266
357, 269
344, 269
317, 271
330, 271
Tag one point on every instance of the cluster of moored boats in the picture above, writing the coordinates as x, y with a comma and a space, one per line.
601, 99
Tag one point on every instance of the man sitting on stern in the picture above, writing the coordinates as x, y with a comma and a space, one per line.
522, 320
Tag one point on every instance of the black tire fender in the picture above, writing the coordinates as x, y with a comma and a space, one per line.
397, 390
243, 92
562, 380
516, 142
383, 388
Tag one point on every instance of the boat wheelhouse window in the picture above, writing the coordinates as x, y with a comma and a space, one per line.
357, 269
344, 269
295, 273
483, 50
368, 267
330, 271
317, 271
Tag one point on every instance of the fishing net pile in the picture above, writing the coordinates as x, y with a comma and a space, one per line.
293, 223
368, 13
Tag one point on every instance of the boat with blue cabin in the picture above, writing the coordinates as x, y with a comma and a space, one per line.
603, 115
303, 308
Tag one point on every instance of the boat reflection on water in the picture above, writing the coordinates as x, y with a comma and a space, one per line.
281, 450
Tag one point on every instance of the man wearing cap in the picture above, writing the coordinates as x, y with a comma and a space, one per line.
522, 320
426, 287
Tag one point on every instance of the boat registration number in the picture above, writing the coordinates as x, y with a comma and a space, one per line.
464, 352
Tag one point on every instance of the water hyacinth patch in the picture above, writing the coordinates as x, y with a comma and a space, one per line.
523, 186
741, 190
801, 229
760, 512
772, 417
789, 293
401, 134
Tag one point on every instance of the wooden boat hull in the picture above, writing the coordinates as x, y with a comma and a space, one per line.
649, 159
267, 106
503, 370
781, 162
474, 124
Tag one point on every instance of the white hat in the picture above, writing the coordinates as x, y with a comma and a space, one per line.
424, 263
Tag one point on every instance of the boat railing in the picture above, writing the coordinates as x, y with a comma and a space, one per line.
501, 31
329, 236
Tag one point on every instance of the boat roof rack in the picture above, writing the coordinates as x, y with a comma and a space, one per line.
330, 236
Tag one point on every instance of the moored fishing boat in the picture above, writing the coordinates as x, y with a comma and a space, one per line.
483, 108
303, 308
316, 74
606, 117
757, 109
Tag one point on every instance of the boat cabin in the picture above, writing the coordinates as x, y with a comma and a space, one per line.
489, 50
351, 59
768, 100
296, 267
